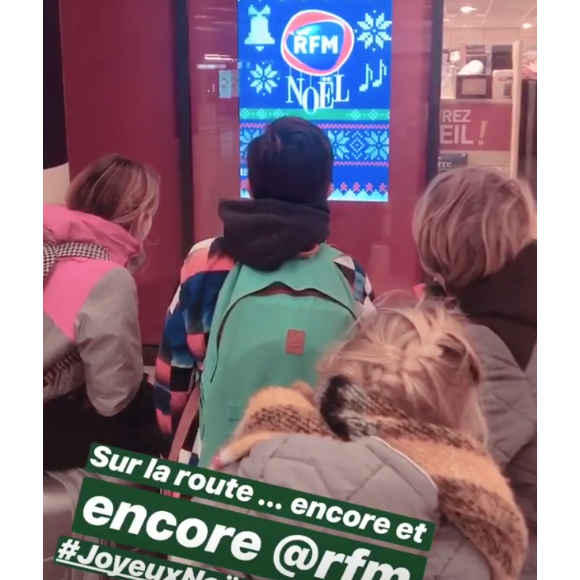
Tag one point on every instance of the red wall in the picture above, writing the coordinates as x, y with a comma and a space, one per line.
119, 92
215, 122
118, 66
379, 235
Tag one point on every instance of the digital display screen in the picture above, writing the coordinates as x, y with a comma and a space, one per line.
329, 62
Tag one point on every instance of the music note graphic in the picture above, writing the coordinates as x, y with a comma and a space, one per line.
382, 74
368, 78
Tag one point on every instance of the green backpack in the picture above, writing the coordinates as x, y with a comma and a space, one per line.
269, 328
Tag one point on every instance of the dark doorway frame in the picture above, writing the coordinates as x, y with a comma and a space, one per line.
183, 133
434, 97
183, 120
434, 94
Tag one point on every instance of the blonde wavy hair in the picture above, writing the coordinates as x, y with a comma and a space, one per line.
118, 190
470, 223
421, 356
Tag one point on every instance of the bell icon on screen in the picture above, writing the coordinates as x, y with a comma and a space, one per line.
259, 33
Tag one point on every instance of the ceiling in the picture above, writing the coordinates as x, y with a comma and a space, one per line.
490, 13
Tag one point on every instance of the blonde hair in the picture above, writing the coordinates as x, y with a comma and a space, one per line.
419, 358
470, 223
116, 189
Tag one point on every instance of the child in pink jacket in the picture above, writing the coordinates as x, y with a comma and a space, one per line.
92, 361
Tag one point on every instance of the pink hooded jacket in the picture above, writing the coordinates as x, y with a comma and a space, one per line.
92, 304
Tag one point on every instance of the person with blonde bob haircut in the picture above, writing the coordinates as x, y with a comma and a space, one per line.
92, 353
470, 223
395, 425
476, 235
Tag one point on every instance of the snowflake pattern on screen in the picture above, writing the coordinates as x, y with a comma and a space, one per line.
360, 146
352, 145
246, 135
263, 78
339, 141
374, 30
377, 145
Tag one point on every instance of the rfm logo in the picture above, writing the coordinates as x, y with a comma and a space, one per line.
317, 43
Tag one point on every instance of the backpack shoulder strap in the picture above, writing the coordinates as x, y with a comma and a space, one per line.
188, 418
330, 252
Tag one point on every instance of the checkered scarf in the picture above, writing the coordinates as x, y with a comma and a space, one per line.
51, 254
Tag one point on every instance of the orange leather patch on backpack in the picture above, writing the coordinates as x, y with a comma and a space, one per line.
295, 340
